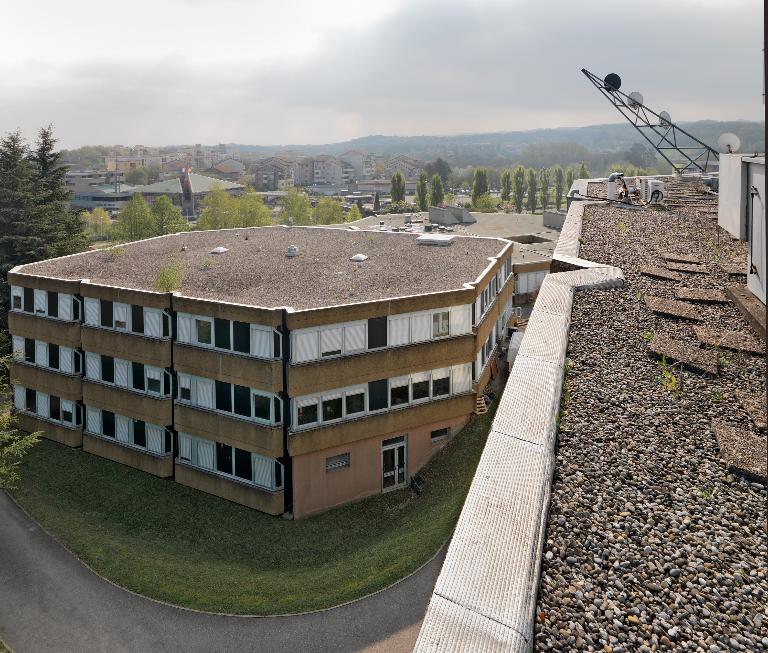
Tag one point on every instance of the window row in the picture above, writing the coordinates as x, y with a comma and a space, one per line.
127, 374
46, 303
357, 401
129, 318
484, 355
229, 335
230, 398
133, 432
230, 461
528, 282
47, 354
375, 333
50, 407
486, 298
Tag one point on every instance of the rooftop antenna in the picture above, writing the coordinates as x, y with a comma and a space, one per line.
656, 128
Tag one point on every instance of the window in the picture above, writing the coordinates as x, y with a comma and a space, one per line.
41, 302
223, 396
242, 401
54, 408
67, 411
30, 399
185, 387
154, 380
439, 434
29, 350
224, 458
108, 423
221, 334
355, 402
243, 464
331, 408
330, 342
139, 433
120, 315
337, 462
354, 337
261, 407
399, 330
420, 386
53, 356
377, 395
260, 341
440, 324
53, 304
137, 377
441, 383
29, 300
137, 319
241, 337
377, 332
203, 332
398, 391
17, 302
106, 309
305, 346
107, 369
306, 412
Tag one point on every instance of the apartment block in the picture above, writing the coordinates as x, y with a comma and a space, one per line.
287, 373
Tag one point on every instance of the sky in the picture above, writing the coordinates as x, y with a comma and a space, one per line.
158, 72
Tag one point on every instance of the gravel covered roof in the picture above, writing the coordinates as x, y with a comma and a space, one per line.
256, 271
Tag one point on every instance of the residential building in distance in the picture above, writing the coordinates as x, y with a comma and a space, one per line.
97, 189
291, 376
409, 167
332, 171
230, 169
274, 173
187, 191
362, 162
123, 159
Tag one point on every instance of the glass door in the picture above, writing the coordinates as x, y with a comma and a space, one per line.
393, 463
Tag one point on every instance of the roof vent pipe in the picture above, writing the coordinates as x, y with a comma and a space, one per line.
292, 251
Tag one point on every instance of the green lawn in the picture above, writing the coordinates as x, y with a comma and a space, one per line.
173, 543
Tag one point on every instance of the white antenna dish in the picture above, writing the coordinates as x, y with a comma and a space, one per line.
665, 120
635, 99
728, 143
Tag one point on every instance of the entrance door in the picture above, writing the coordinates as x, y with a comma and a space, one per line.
393, 462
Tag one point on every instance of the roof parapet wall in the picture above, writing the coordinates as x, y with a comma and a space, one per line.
485, 596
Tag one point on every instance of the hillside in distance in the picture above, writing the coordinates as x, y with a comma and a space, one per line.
506, 146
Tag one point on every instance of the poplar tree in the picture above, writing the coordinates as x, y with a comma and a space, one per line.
506, 186
544, 183
437, 192
518, 188
422, 193
398, 187
559, 176
376, 202
532, 189
479, 184
569, 176
583, 172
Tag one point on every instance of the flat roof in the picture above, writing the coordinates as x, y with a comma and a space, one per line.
255, 270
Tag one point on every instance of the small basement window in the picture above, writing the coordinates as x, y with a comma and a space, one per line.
337, 462
438, 434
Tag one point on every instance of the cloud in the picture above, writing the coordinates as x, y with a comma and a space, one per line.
425, 68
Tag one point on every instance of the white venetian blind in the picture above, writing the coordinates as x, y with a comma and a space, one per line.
184, 327
261, 342
154, 438
185, 447
41, 353
399, 330
92, 366
461, 319
354, 337
204, 392
462, 378
65, 359
330, 341
41, 302
205, 453
304, 345
65, 306
92, 311
122, 428
20, 397
153, 322
421, 327
43, 404
262, 470
93, 419
121, 373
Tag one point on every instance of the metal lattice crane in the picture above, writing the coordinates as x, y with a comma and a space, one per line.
657, 128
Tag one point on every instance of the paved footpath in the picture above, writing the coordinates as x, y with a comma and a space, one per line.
49, 601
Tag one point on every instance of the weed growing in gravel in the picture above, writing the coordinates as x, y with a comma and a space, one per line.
717, 397
622, 227
667, 378
209, 263
722, 361
639, 296
647, 336
115, 252
707, 492
170, 276
582, 241
565, 397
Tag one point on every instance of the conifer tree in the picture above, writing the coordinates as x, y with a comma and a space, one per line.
569, 176
422, 194
506, 186
518, 190
479, 184
583, 172
544, 183
376, 202
398, 187
532, 189
559, 176
437, 192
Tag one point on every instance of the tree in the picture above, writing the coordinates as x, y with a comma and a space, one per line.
544, 182
167, 218
398, 187
97, 223
135, 221
479, 184
14, 444
569, 176
153, 173
328, 211
219, 210
439, 167
485, 204
506, 186
422, 193
559, 175
641, 155
252, 212
296, 207
137, 177
518, 188
437, 192
583, 172
532, 188
376, 202
353, 215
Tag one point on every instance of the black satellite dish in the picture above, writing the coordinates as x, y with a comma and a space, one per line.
612, 82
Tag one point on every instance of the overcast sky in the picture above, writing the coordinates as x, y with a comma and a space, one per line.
264, 72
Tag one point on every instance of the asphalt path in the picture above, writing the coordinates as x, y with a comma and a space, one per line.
50, 601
